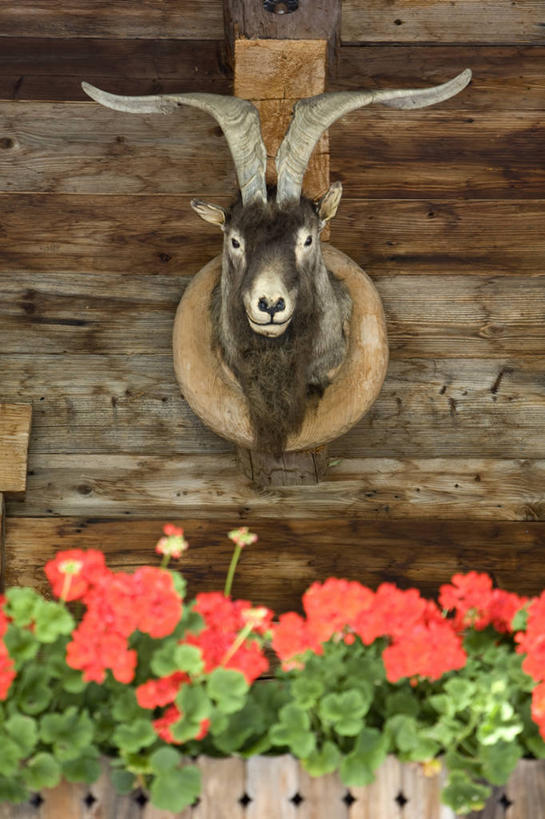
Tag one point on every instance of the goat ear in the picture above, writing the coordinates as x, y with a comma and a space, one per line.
214, 214
326, 207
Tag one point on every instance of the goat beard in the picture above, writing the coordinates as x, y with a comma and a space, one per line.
273, 375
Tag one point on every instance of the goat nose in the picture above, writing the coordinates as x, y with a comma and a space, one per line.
263, 305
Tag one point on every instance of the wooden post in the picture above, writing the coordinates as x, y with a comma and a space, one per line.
277, 59
14, 437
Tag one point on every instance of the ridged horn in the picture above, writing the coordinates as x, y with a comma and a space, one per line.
238, 119
314, 115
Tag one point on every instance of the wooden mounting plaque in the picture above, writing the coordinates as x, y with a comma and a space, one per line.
219, 401
14, 436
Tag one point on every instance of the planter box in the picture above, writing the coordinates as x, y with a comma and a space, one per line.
278, 788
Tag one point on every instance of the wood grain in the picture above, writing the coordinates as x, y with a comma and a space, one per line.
411, 21
94, 18
426, 408
293, 553
426, 316
213, 486
161, 235
14, 436
87, 149
38, 68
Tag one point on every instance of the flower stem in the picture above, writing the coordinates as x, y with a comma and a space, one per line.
241, 636
232, 569
165, 561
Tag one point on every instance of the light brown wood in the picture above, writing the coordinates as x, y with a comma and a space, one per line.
14, 436
377, 800
85, 148
221, 404
93, 18
292, 553
323, 796
211, 486
290, 469
526, 790
223, 784
271, 782
161, 235
411, 21
2, 543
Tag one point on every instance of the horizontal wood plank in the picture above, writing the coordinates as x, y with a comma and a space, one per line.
505, 78
162, 235
212, 486
34, 68
14, 437
85, 148
426, 408
94, 18
464, 21
292, 554
426, 316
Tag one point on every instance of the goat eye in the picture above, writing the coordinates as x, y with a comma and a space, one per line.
308, 241
235, 242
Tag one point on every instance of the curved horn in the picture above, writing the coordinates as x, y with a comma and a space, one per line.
313, 116
238, 119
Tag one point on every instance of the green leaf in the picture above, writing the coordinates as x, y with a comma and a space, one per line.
21, 645
358, 767
193, 702
293, 731
162, 661
33, 692
20, 604
51, 620
135, 735
123, 781
42, 771
69, 733
228, 688
10, 756
86, 768
323, 761
307, 690
176, 790
520, 620
12, 790
125, 708
344, 711
23, 731
185, 729
242, 725
180, 583
402, 702
461, 692
164, 760
188, 658
464, 795
499, 761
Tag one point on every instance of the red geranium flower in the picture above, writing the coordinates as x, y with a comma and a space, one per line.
172, 715
74, 571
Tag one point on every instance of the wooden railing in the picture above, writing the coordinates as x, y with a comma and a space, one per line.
278, 788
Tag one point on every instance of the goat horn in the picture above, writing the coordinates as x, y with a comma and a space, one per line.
237, 118
314, 115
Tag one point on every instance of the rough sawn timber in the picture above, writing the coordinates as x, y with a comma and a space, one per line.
14, 436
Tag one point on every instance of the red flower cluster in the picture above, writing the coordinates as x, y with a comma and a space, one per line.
422, 643
532, 643
7, 672
155, 693
172, 715
475, 603
225, 639
117, 605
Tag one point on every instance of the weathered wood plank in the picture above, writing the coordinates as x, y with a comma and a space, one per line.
526, 790
212, 486
505, 78
85, 148
427, 408
427, 316
411, 21
431, 153
271, 783
131, 19
223, 783
322, 796
2, 541
162, 235
293, 553
14, 436
34, 68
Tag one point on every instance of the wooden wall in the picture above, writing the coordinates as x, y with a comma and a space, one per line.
443, 208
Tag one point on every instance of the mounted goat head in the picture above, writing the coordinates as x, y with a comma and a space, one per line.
279, 315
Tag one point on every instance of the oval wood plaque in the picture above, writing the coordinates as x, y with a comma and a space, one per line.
216, 397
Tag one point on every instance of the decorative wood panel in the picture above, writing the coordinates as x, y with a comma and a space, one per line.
85, 148
427, 408
427, 316
464, 21
14, 434
212, 486
130, 19
161, 235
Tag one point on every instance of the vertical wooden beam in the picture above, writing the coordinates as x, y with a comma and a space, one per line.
14, 437
2, 543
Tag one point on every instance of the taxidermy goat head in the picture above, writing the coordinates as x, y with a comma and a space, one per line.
279, 316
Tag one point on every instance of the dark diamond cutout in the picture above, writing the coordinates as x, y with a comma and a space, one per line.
505, 802
36, 800
245, 800
89, 800
140, 798
297, 799
401, 799
348, 799
196, 803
